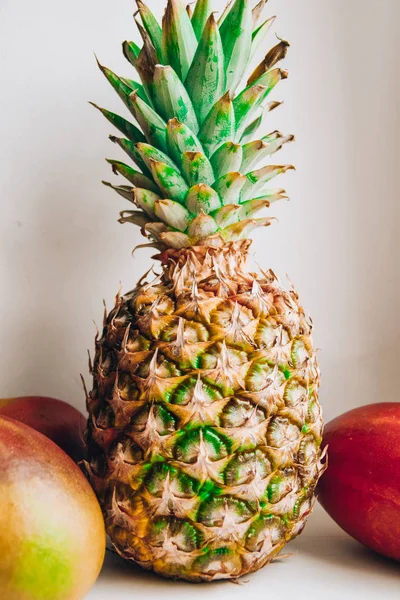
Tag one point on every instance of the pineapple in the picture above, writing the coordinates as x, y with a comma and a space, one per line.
205, 428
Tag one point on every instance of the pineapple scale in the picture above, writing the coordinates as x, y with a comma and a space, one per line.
205, 427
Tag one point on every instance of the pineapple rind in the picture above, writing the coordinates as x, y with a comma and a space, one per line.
205, 427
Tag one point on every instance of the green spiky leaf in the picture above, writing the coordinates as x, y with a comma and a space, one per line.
135, 217
170, 181
236, 40
145, 200
196, 168
259, 35
131, 150
256, 124
226, 159
127, 128
257, 179
206, 77
227, 215
219, 125
152, 27
229, 187
148, 153
257, 12
252, 207
153, 126
275, 55
202, 226
136, 178
246, 105
225, 12
171, 98
269, 80
179, 40
122, 89
255, 151
181, 139
131, 52
147, 60
252, 128
200, 16
156, 229
175, 239
136, 87
192, 140
272, 195
172, 213
201, 197
126, 191
189, 11
242, 229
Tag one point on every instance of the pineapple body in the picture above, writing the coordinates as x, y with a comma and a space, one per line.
205, 427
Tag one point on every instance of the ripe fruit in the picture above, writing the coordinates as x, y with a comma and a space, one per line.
205, 427
56, 419
361, 487
52, 537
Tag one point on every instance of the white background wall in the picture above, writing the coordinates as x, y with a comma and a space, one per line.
62, 249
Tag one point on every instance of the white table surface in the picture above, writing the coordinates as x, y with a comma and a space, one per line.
325, 563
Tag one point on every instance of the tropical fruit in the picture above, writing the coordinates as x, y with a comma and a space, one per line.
52, 537
205, 428
56, 419
361, 488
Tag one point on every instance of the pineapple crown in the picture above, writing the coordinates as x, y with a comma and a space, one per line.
194, 139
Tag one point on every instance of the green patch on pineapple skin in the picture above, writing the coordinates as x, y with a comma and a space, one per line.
286, 520
209, 490
43, 571
287, 373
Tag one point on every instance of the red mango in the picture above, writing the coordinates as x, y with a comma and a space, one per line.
56, 419
360, 489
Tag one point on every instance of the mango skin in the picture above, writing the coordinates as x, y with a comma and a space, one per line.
56, 419
52, 535
361, 488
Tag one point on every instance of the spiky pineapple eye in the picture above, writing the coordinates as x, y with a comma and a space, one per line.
182, 534
300, 352
136, 342
259, 376
243, 468
127, 387
265, 533
201, 444
295, 393
282, 432
266, 334
314, 410
184, 393
217, 560
162, 420
225, 509
162, 475
237, 412
224, 314
131, 453
308, 451
303, 505
281, 484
